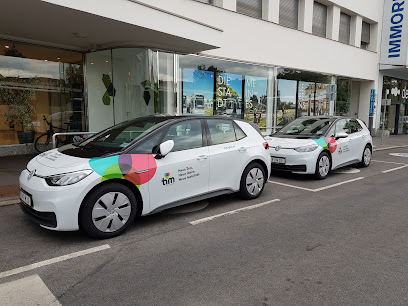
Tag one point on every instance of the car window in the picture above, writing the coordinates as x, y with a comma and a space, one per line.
354, 126
240, 133
306, 127
342, 126
146, 147
186, 135
221, 131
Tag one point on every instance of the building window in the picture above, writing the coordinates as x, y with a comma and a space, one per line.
36, 82
343, 96
288, 13
345, 22
365, 35
214, 87
319, 19
252, 8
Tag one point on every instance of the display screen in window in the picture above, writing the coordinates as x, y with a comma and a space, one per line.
198, 92
255, 99
229, 95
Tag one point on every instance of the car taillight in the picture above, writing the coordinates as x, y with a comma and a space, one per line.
266, 145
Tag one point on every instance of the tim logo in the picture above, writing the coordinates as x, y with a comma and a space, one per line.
167, 180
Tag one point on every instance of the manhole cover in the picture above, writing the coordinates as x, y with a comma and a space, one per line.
399, 154
188, 208
347, 170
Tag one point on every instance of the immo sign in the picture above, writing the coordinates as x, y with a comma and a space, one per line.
394, 37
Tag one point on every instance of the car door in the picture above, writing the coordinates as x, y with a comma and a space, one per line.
342, 154
184, 172
357, 141
228, 153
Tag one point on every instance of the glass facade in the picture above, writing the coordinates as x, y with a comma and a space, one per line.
37, 82
127, 83
396, 114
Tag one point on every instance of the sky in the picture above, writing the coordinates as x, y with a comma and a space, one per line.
204, 86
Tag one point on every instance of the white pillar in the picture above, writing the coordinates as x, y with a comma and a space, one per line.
355, 31
333, 22
270, 10
364, 104
306, 15
227, 4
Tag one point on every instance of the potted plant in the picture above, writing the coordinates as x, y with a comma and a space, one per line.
19, 111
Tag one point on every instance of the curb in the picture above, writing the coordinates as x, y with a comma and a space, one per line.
390, 148
9, 201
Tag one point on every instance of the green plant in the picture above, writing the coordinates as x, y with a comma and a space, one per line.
19, 110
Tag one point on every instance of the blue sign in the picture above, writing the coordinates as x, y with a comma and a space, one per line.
372, 101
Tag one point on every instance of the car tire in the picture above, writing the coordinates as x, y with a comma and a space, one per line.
252, 181
366, 157
108, 211
323, 166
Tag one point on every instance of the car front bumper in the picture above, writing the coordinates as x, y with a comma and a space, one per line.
53, 207
296, 162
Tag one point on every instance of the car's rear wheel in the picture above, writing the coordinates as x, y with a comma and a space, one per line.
366, 158
108, 211
252, 181
323, 166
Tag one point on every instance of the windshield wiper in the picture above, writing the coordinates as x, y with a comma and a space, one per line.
90, 148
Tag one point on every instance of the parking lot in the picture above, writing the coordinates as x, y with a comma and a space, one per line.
296, 239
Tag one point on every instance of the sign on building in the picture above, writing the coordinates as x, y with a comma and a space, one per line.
395, 33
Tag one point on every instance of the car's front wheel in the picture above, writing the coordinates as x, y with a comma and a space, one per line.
366, 158
323, 165
252, 181
108, 211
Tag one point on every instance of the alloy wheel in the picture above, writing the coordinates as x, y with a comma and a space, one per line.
324, 166
255, 181
367, 156
111, 212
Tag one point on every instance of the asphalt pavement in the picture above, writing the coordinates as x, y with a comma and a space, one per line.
340, 241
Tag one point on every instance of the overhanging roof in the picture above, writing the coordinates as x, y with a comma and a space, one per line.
73, 28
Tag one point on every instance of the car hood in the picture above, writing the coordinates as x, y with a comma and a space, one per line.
53, 162
288, 143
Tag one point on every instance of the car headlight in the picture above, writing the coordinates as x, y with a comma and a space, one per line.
67, 178
307, 148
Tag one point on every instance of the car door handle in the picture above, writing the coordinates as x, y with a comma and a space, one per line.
242, 150
202, 157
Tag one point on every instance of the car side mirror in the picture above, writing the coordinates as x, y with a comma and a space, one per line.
165, 148
341, 135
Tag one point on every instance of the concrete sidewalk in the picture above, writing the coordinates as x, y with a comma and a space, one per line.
11, 166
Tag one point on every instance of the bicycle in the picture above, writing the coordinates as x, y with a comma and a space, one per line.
44, 141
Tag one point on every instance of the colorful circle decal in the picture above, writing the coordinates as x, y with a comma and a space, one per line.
136, 168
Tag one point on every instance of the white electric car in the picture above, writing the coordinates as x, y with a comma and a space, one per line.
140, 167
316, 145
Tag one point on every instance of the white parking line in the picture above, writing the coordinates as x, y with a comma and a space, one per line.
232, 212
321, 188
338, 184
292, 186
53, 260
394, 169
387, 162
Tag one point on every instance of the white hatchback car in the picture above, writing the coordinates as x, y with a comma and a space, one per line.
316, 145
140, 167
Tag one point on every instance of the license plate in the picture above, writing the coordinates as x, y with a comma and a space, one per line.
25, 198
278, 160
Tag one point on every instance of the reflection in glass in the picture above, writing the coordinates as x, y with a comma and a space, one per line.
54, 79
286, 104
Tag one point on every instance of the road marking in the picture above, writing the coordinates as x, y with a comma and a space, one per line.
394, 169
321, 188
387, 162
29, 290
232, 212
338, 184
292, 186
53, 260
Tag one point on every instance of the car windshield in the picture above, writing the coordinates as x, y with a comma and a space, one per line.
306, 127
123, 134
